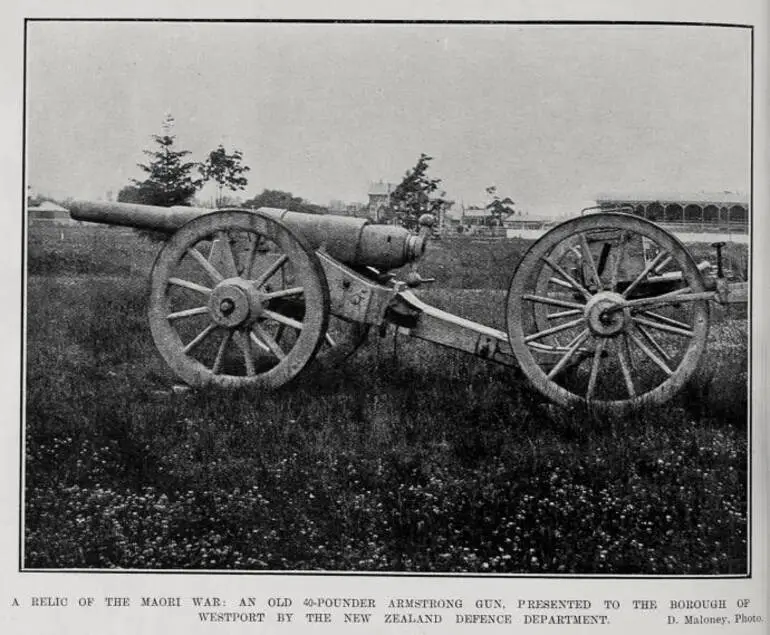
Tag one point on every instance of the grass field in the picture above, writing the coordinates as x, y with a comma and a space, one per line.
408, 457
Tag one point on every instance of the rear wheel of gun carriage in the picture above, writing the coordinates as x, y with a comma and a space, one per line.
603, 310
237, 300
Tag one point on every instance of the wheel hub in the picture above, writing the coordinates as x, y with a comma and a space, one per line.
607, 314
234, 302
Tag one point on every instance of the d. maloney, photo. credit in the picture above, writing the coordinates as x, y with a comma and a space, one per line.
386, 297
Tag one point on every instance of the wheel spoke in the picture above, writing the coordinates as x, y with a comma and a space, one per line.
220, 358
554, 329
645, 272
193, 286
663, 327
283, 319
283, 293
588, 257
653, 342
274, 347
553, 301
573, 283
624, 367
563, 314
205, 264
661, 265
595, 367
259, 342
248, 355
568, 355
627, 351
228, 258
559, 282
658, 362
275, 266
672, 297
250, 256
200, 310
666, 320
200, 337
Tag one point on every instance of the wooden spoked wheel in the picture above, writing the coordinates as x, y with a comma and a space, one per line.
237, 300
604, 310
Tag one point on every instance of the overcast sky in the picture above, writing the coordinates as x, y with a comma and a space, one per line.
551, 115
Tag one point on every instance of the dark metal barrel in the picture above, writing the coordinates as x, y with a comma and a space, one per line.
353, 241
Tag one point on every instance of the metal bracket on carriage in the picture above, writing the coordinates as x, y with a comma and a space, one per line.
727, 292
380, 277
704, 266
413, 278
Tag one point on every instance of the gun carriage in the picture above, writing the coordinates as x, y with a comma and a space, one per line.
606, 309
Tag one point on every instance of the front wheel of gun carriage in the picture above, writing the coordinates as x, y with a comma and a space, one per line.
607, 310
237, 300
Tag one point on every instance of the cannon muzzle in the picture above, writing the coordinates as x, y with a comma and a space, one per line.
354, 241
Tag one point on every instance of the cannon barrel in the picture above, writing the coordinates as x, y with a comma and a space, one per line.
353, 241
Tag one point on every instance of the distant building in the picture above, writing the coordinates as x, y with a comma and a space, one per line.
717, 210
462, 216
341, 208
498, 213
524, 220
499, 218
475, 216
379, 208
50, 212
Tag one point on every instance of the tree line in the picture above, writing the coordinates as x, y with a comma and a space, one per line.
172, 179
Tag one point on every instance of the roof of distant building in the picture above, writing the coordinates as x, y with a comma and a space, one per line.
47, 206
381, 187
529, 218
724, 196
475, 212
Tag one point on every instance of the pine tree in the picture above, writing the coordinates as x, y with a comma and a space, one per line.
169, 178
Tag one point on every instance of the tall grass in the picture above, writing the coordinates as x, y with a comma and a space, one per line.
408, 457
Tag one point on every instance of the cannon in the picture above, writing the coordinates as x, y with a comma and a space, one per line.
606, 309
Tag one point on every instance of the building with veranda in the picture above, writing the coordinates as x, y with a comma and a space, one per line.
717, 211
